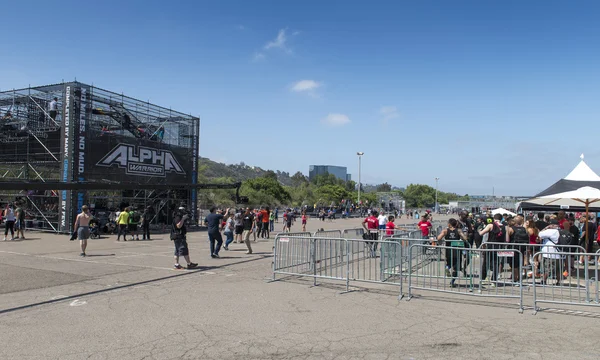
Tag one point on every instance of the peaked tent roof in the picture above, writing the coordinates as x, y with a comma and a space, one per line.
582, 172
582, 176
502, 211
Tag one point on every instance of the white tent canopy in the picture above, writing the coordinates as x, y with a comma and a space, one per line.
581, 196
503, 211
577, 191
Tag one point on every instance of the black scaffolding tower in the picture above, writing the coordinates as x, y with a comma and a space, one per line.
78, 133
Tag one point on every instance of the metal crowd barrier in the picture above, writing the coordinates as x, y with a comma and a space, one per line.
447, 271
337, 259
561, 284
496, 270
356, 233
525, 252
336, 234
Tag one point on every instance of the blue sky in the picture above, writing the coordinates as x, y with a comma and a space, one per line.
482, 94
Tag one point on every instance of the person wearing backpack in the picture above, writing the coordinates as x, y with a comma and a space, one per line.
497, 233
552, 265
455, 241
520, 239
134, 221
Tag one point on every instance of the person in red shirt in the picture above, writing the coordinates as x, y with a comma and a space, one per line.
265, 212
371, 226
390, 226
562, 219
425, 226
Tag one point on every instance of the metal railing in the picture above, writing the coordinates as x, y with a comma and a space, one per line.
448, 271
495, 270
561, 284
354, 260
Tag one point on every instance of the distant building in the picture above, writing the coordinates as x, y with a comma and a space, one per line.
340, 172
348, 177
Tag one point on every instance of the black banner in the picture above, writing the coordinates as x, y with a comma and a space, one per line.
66, 167
112, 157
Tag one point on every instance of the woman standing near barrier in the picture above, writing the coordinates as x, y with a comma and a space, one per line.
534, 239
453, 237
371, 226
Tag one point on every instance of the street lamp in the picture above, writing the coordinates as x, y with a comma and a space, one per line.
360, 154
436, 195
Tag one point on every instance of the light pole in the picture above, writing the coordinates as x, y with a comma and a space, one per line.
360, 154
436, 193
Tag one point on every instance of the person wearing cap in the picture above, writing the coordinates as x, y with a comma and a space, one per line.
178, 235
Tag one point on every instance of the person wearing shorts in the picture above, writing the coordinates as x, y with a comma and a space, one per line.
20, 223
238, 226
82, 228
178, 235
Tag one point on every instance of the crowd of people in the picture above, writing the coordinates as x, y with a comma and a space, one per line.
525, 235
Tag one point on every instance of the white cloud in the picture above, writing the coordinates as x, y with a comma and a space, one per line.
258, 57
336, 120
279, 42
306, 85
388, 113
241, 27
296, 33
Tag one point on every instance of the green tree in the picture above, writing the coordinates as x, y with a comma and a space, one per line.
270, 174
265, 191
331, 193
299, 179
385, 187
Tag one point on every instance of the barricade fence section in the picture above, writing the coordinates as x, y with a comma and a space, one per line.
374, 261
561, 282
356, 233
546, 274
293, 254
334, 234
529, 262
450, 269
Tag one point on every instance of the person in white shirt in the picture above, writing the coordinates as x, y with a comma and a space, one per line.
53, 108
552, 261
382, 220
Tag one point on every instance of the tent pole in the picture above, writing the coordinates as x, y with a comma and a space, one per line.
587, 219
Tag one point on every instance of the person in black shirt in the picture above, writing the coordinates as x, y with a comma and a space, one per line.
247, 224
146, 217
213, 221
178, 235
541, 224
587, 242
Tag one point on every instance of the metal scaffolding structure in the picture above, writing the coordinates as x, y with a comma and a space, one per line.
78, 133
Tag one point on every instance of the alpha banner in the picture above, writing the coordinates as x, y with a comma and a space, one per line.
120, 158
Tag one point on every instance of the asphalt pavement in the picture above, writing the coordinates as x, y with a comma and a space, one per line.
125, 301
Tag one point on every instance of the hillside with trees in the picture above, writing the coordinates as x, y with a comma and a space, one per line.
276, 188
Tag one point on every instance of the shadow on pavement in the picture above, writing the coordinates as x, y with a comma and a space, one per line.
95, 292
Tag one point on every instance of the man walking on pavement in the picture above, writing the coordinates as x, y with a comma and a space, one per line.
213, 222
248, 223
178, 235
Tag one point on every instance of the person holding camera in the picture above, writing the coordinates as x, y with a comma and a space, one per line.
178, 235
